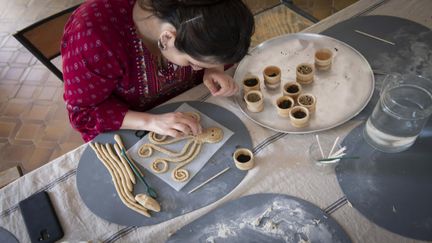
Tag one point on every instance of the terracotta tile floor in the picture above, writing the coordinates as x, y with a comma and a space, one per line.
34, 127
322, 8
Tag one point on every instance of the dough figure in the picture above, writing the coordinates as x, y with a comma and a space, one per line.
182, 158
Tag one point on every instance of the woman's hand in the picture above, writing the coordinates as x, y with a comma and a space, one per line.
174, 124
219, 83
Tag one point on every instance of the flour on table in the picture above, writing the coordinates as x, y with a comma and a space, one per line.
278, 220
223, 231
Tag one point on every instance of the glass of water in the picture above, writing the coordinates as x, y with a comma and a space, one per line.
403, 109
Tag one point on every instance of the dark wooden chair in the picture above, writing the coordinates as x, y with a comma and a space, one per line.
43, 38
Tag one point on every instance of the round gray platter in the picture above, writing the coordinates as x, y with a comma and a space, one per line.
263, 218
96, 189
392, 190
341, 92
7, 237
412, 53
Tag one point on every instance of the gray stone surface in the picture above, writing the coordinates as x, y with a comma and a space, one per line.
263, 218
97, 191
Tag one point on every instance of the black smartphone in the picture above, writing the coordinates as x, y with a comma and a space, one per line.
40, 218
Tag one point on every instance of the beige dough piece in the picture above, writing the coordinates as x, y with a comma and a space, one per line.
117, 170
121, 165
185, 156
146, 150
160, 166
119, 141
118, 175
148, 202
210, 135
132, 205
155, 138
119, 154
180, 174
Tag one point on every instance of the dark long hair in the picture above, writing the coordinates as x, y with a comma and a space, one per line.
215, 31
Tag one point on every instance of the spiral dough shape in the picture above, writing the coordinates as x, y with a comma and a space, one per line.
180, 175
160, 166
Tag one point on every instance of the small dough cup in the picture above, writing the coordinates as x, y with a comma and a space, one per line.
272, 77
251, 83
305, 73
323, 59
308, 101
284, 105
254, 101
243, 159
292, 89
299, 116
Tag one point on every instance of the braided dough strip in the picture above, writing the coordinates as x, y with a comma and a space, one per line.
136, 207
146, 150
117, 170
121, 165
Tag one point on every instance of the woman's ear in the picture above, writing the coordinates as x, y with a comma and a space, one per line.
167, 38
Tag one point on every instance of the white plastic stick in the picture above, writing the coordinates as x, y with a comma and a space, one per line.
319, 146
340, 151
333, 147
207, 181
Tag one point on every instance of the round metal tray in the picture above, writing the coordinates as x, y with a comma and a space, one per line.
341, 92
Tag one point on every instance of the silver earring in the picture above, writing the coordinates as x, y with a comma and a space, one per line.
160, 45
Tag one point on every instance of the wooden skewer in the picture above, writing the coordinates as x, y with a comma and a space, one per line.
374, 37
207, 181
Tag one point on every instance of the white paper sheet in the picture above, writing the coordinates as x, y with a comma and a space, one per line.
207, 151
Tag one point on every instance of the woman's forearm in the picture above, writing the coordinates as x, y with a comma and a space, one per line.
136, 120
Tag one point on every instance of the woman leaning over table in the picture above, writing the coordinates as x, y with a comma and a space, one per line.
122, 57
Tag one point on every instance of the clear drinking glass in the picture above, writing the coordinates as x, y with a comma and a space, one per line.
403, 109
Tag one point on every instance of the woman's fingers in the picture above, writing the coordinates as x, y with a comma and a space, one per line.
221, 84
182, 128
212, 86
173, 133
188, 125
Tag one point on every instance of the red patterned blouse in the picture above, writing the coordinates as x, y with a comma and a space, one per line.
107, 70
